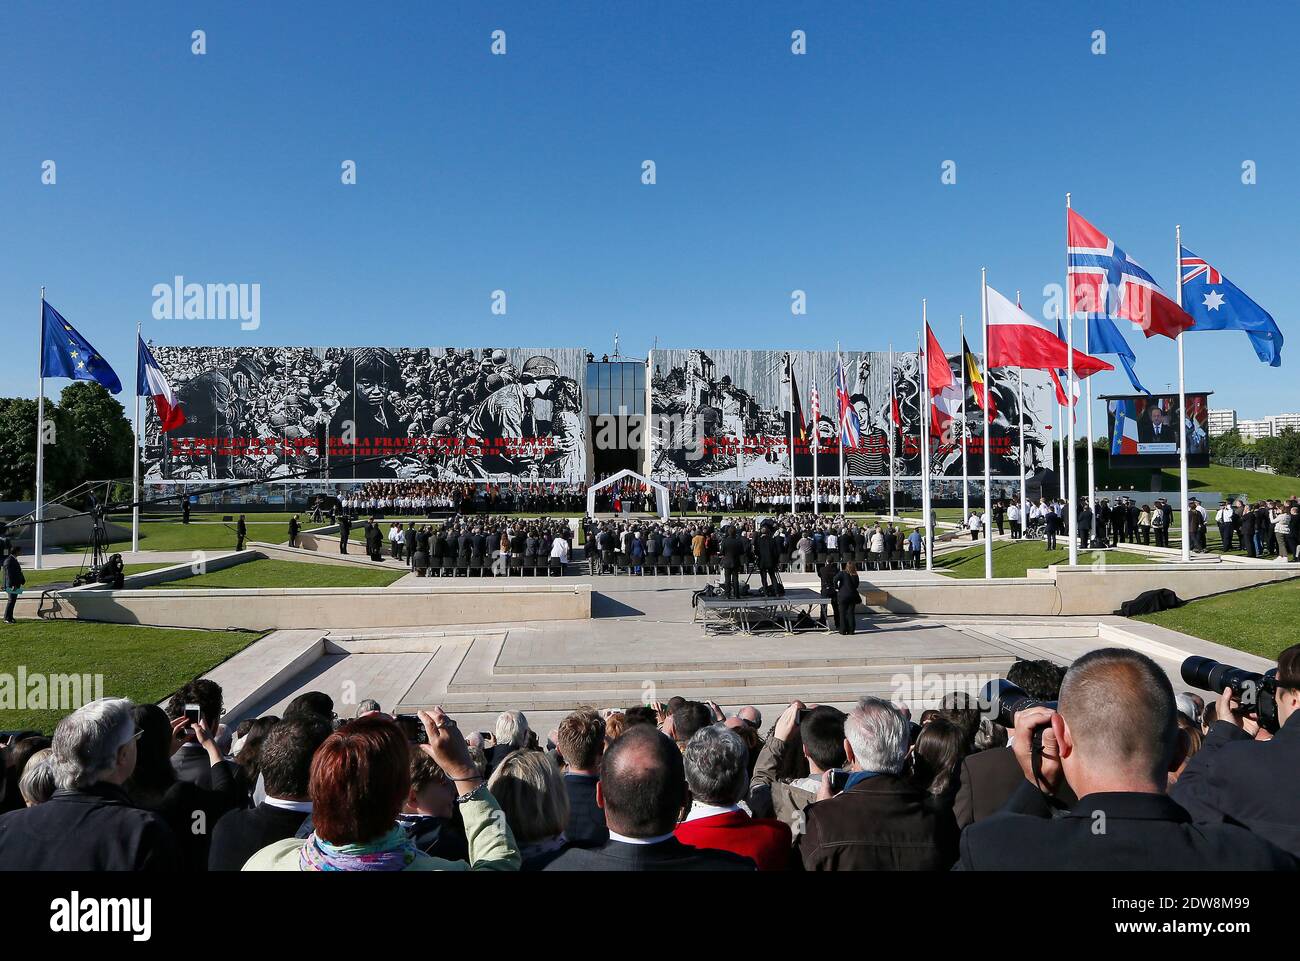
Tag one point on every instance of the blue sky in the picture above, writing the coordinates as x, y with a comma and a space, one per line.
522, 172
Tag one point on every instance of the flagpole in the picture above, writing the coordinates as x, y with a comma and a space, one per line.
135, 466
40, 447
817, 449
1087, 345
789, 370
1182, 403
1073, 518
984, 416
924, 403
1020, 405
965, 477
893, 431
839, 414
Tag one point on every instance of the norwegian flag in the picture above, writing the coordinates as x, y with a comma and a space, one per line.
850, 429
1106, 282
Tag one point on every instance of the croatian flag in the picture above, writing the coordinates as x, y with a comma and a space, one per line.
150, 382
850, 429
1106, 282
1125, 437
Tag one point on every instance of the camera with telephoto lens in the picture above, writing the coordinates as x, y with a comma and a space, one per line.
1256, 692
1004, 700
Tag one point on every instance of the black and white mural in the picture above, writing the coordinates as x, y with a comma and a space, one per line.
727, 415
417, 413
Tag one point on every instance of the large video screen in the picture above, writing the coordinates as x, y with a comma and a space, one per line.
1144, 430
727, 415
489, 414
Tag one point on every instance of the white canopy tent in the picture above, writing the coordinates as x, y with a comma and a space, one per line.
661, 492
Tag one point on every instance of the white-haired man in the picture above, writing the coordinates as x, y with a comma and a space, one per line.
89, 824
511, 734
877, 821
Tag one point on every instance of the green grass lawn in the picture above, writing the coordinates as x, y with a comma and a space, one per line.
62, 575
1257, 620
1015, 559
1216, 477
269, 573
145, 664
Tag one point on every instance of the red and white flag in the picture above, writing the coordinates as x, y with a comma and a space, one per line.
1017, 340
945, 394
150, 382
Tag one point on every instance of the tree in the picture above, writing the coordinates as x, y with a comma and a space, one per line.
65, 451
102, 427
1282, 453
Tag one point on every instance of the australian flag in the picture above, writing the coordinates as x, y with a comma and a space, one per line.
65, 353
1217, 303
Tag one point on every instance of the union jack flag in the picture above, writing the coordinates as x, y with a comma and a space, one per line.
1194, 267
850, 428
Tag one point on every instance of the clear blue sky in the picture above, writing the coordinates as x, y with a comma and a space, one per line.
775, 172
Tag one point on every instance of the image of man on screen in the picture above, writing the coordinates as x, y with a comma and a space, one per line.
1155, 428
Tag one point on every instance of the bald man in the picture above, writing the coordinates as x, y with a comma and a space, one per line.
642, 790
1113, 739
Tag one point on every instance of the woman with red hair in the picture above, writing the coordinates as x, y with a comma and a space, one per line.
360, 777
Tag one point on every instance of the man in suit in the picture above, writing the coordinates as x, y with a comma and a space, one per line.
286, 755
293, 531
642, 789
241, 533
345, 528
879, 820
733, 556
409, 541
768, 556
1050, 524
1256, 784
1113, 740
580, 742
717, 773
1153, 429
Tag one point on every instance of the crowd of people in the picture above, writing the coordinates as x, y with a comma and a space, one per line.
427, 498
1181, 784
484, 545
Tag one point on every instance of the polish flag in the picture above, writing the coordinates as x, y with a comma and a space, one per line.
1017, 340
150, 382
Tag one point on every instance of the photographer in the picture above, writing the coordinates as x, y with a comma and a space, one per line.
1113, 739
1255, 783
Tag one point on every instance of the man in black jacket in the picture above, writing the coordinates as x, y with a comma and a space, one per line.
286, 770
1253, 783
1113, 740
241, 533
345, 529
13, 580
733, 558
580, 740
767, 553
293, 531
89, 824
642, 789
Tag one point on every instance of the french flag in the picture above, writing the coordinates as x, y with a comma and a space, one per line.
150, 382
1125, 439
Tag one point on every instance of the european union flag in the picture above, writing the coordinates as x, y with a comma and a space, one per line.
65, 353
1216, 303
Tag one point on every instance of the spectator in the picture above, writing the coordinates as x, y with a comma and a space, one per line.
815, 738
191, 760
360, 778
429, 814
1247, 781
580, 740
285, 764
37, 782
531, 791
879, 821
1113, 739
1190, 739
614, 726
312, 702
16, 757
368, 706
155, 786
642, 790
89, 823
717, 773
690, 717
935, 758
511, 733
